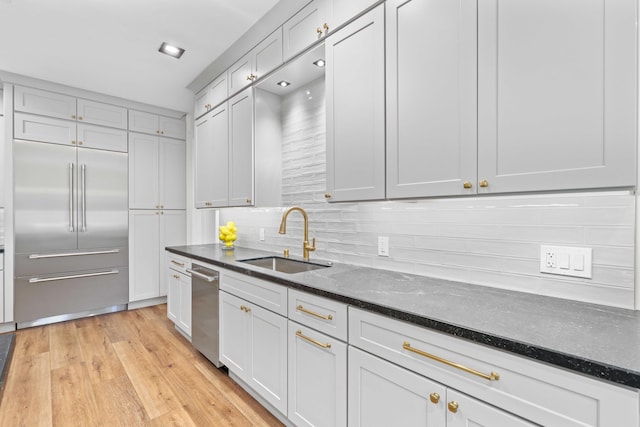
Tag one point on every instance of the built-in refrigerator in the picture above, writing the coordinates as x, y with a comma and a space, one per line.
71, 231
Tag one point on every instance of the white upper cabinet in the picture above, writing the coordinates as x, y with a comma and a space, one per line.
556, 99
98, 113
431, 98
355, 110
340, 11
304, 28
211, 96
267, 56
241, 149
45, 103
240, 74
143, 122
211, 158
36, 101
262, 59
100, 137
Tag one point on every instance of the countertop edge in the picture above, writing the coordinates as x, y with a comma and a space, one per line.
573, 363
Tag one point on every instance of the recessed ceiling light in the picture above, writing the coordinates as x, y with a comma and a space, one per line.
171, 50
319, 63
283, 83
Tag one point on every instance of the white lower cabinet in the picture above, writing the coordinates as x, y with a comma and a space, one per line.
317, 378
179, 299
253, 345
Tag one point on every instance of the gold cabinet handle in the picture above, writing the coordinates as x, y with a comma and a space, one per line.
467, 184
79, 142
245, 308
248, 201
312, 341
179, 264
319, 316
434, 397
249, 77
73, 116
325, 26
175, 276
483, 183
73, 142
327, 195
453, 406
493, 376
80, 118
319, 31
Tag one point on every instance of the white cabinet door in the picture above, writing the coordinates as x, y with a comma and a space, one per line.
201, 103
266, 334
173, 295
144, 262
317, 378
102, 138
173, 175
241, 149
340, 11
303, 29
355, 110
204, 158
431, 98
140, 121
233, 343
44, 129
45, 103
267, 55
98, 113
2, 156
211, 96
383, 394
173, 232
464, 411
240, 74
184, 313
556, 108
172, 128
144, 187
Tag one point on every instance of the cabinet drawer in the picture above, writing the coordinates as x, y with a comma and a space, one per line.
534, 391
319, 313
103, 138
102, 114
261, 292
178, 263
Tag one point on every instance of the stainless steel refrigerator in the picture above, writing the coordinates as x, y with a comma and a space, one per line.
71, 231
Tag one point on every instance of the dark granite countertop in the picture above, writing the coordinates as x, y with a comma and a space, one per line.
598, 341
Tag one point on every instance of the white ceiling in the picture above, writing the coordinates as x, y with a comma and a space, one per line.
111, 46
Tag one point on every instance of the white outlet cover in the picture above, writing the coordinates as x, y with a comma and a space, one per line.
577, 258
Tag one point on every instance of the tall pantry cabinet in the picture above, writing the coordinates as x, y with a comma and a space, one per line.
157, 199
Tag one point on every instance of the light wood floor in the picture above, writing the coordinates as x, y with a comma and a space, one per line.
123, 369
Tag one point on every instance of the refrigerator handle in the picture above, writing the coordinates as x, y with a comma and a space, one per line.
71, 219
83, 185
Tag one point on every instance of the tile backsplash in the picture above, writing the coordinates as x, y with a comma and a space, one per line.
489, 240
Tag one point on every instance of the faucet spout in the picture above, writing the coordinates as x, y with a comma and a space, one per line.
306, 248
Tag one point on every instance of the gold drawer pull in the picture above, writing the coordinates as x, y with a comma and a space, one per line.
181, 264
319, 316
312, 341
245, 309
434, 397
493, 376
453, 406
467, 184
484, 183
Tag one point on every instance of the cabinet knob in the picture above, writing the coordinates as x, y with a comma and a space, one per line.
80, 118
483, 183
158, 132
79, 142
326, 27
327, 195
319, 31
434, 397
453, 406
467, 184
248, 201
161, 132
73, 116
73, 142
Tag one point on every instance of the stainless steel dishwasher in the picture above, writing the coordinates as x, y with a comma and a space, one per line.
205, 287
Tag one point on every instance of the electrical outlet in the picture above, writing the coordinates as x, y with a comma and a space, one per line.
383, 246
262, 234
566, 261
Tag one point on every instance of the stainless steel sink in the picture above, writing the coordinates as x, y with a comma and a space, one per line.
285, 265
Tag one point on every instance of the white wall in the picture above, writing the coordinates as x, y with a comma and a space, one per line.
491, 240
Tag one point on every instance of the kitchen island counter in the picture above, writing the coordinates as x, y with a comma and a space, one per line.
595, 340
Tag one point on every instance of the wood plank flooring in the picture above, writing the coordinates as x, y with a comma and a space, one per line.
130, 368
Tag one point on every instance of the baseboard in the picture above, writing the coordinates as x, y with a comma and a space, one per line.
147, 303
